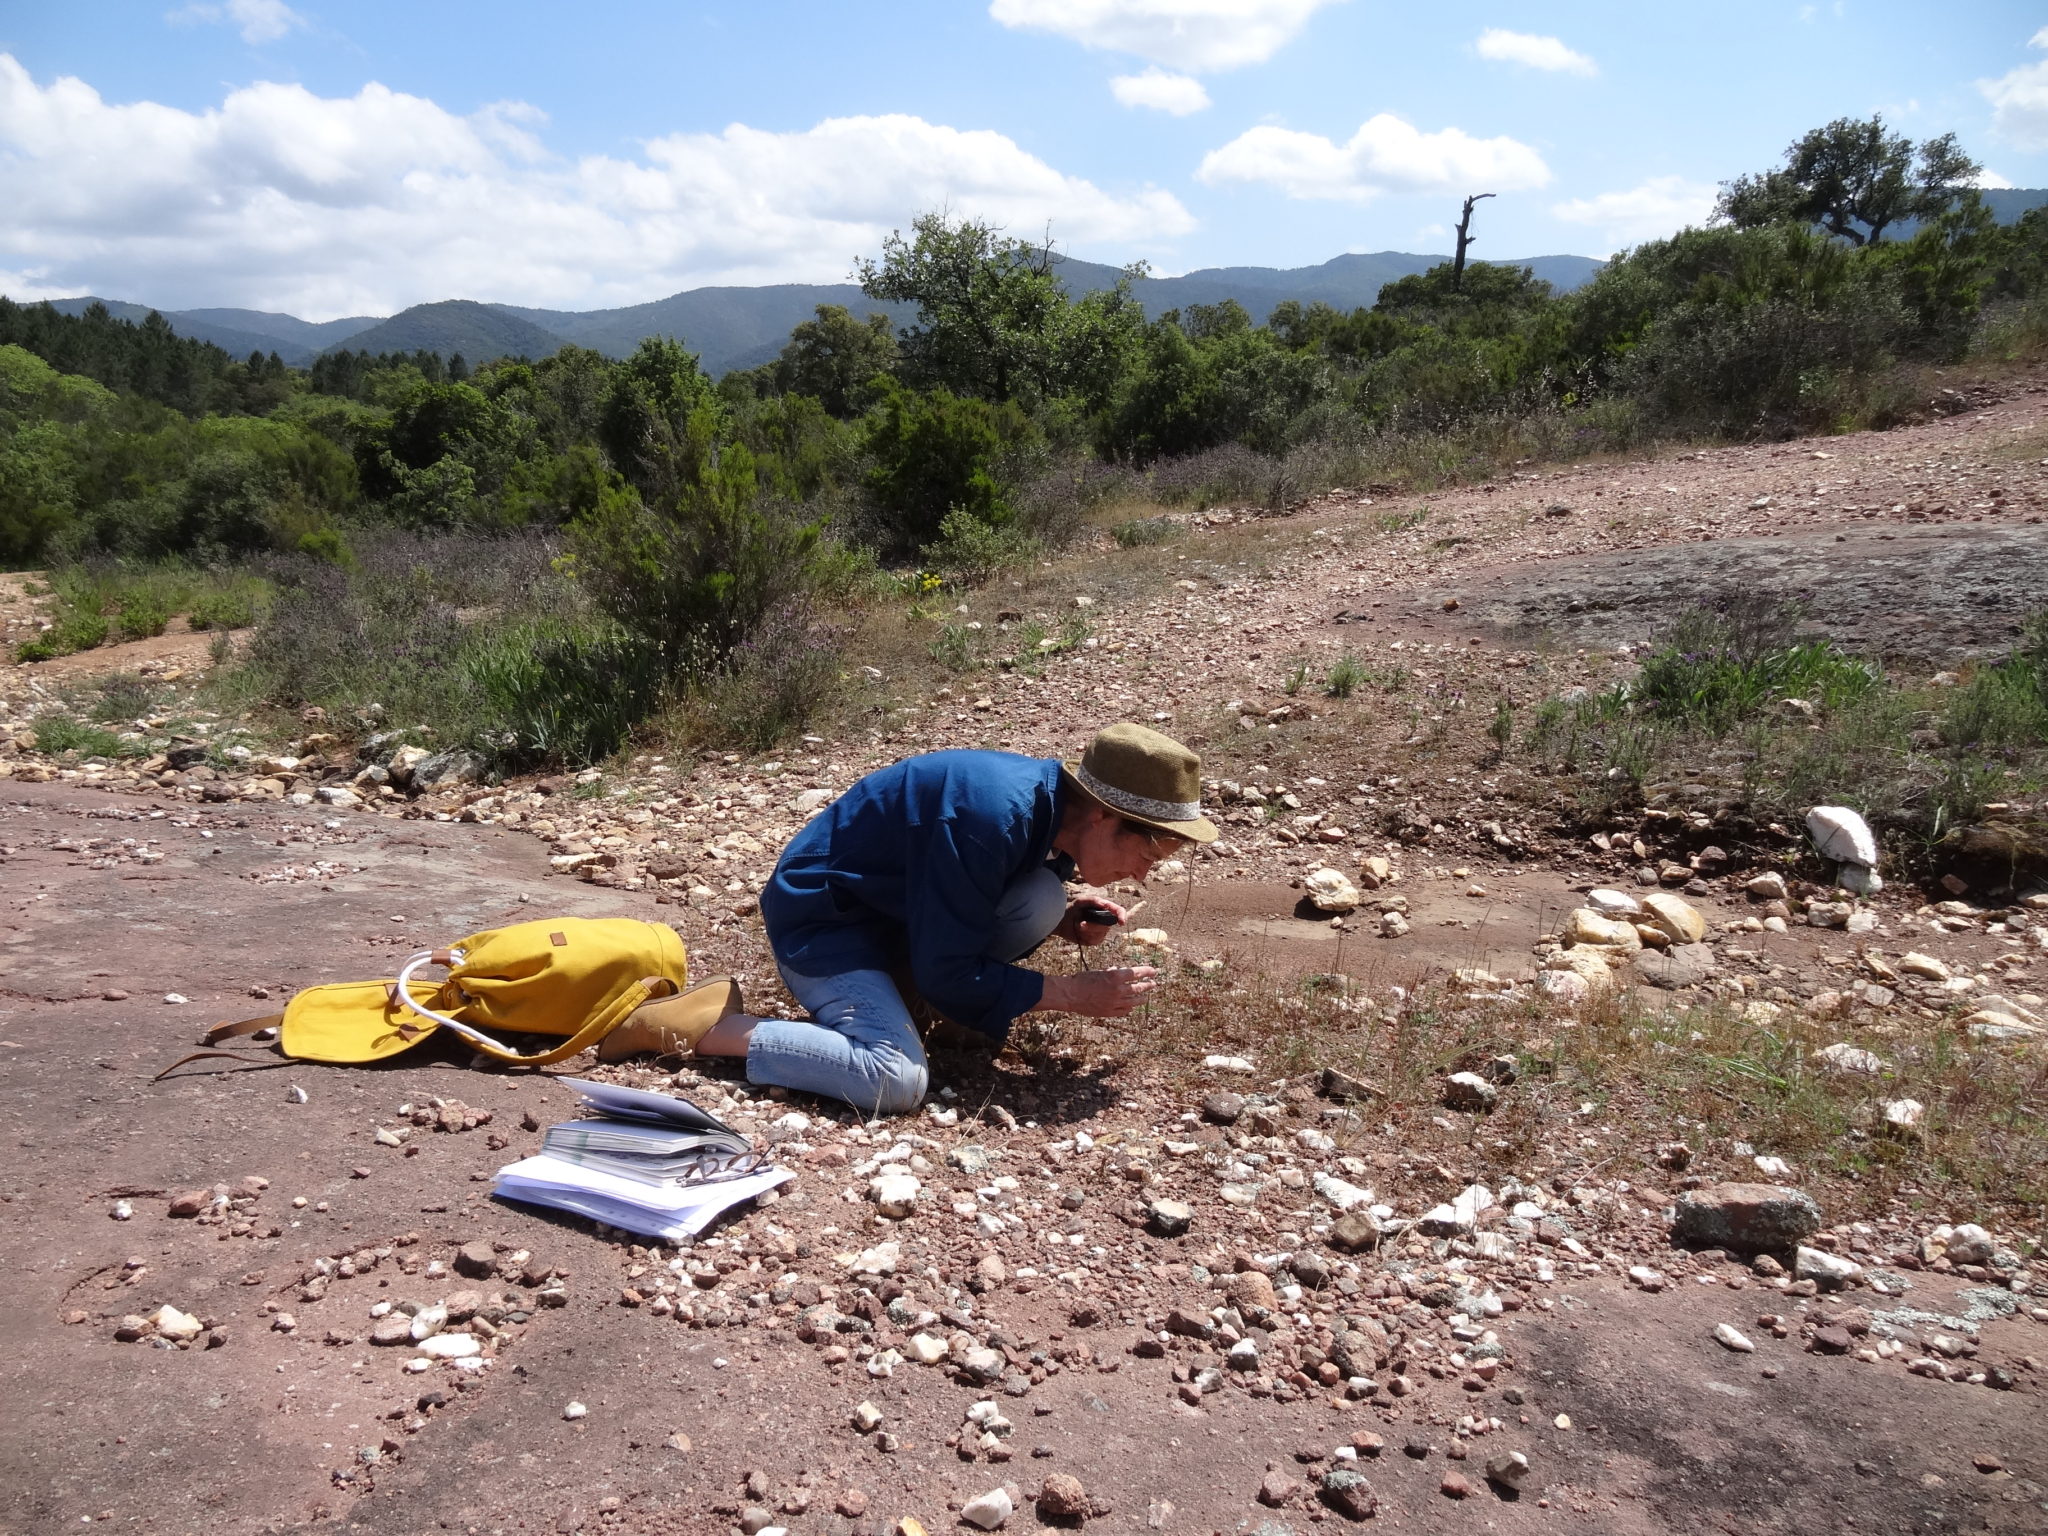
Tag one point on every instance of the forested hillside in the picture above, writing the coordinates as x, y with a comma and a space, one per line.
636, 529
743, 327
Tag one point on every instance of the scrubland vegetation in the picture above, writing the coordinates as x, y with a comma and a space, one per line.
544, 557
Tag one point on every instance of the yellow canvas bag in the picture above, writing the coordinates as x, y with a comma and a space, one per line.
574, 977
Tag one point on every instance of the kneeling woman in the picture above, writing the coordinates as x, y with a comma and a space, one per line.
943, 870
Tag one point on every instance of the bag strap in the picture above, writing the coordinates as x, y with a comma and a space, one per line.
233, 1031
242, 1027
648, 987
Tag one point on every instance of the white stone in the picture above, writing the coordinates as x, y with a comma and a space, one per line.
1646, 1277
867, 1417
878, 1260
1148, 938
1331, 890
1339, 1193
925, 1349
451, 1346
1228, 1064
1842, 835
1904, 1114
1926, 967
1243, 1356
1824, 1268
428, 1321
1971, 1244
173, 1324
987, 1511
1845, 1058
574, 1410
1613, 903
1729, 1338
894, 1194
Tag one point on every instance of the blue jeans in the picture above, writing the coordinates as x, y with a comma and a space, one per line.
863, 1045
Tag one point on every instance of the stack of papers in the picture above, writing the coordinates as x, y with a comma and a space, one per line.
646, 1162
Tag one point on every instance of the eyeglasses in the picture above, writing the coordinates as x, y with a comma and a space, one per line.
1161, 843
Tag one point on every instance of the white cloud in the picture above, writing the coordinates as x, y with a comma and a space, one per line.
2019, 100
1991, 181
1198, 35
1155, 88
280, 199
1661, 206
260, 21
1534, 52
1385, 155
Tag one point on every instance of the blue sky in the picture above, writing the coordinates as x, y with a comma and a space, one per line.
329, 159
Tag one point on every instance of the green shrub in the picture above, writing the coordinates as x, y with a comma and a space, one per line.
935, 454
697, 575
1344, 678
142, 614
232, 605
775, 685
1722, 664
1141, 531
73, 631
66, 733
560, 691
970, 551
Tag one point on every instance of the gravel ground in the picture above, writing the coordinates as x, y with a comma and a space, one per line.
705, 1403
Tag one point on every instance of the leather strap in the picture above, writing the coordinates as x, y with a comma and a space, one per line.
241, 1027
252, 1061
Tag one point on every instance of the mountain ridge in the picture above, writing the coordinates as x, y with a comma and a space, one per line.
732, 327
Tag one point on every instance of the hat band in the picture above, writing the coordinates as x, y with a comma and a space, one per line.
1136, 805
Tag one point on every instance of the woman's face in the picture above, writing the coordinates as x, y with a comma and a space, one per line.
1112, 849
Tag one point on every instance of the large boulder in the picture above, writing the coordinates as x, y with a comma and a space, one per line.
1745, 1218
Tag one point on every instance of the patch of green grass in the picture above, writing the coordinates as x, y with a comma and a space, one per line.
1141, 531
957, 648
1401, 522
58, 734
122, 697
1344, 677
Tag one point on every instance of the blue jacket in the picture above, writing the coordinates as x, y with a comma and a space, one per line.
908, 865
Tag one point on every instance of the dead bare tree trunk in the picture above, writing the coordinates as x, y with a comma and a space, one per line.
1465, 238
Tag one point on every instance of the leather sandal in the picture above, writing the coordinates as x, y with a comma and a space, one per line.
672, 1026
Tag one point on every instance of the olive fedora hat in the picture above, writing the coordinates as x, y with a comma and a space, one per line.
1145, 778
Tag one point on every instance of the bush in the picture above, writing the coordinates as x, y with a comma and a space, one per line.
561, 691
73, 631
697, 575
1141, 531
937, 453
65, 733
773, 686
1725, 663
970, 551
233, 603
143, 613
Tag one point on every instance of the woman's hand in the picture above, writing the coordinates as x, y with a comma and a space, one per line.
1098, 994
1077, 930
